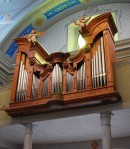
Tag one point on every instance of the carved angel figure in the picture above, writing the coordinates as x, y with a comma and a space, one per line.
33, 35
82, 22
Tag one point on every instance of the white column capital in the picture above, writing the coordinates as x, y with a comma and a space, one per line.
28, 128
106, 129
28, 135
106, 118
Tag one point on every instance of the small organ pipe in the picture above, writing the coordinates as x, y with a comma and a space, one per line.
97, 69
81, 77
60, 79
93, 72
57, 79
69, 82
22, 81
18, 85
78, 79
94, 62
84, 72
100, 66
103, 61
45, 87
53, 81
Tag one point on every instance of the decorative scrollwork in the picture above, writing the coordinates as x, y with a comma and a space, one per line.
68, 67
32, 61
46, 71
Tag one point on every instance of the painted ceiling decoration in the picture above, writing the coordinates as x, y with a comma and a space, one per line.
10, 9
7, 1
58, 9
13, 47
39, 21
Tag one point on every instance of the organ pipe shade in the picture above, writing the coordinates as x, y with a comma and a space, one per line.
81, 41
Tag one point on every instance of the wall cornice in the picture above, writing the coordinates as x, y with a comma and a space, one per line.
122, 53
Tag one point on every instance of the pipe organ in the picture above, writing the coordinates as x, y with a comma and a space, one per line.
66, 80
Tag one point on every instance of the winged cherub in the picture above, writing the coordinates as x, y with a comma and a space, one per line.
82, 22
33, 35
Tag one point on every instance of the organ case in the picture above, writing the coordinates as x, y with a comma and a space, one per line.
66, 81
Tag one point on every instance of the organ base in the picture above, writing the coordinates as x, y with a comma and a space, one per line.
68, 101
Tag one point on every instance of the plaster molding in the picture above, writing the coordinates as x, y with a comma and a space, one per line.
122, 53
118, 11
5, 88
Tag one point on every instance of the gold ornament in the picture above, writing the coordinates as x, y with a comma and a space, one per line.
39, 21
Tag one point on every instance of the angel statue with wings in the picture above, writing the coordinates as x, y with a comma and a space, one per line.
82, 22
33, 35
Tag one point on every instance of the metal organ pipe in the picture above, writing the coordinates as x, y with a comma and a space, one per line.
97, 70
69, 82
84, 74
98, 66
22, 80
53, 83
18, 85
81, 85
35, 87
81, 78
57, 79
103, 61
92, 72
94, 66
45, 87
60, 79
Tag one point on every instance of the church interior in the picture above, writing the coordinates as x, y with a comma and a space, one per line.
65, 74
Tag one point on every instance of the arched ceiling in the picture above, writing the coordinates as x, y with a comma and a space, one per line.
19, 17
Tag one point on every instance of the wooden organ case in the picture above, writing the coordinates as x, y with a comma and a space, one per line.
66, 81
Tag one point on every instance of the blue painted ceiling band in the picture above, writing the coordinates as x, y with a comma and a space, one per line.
13, 47
58, 9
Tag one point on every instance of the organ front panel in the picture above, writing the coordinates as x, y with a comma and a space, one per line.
66, 80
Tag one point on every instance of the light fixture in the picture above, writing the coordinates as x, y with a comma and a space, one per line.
81, 41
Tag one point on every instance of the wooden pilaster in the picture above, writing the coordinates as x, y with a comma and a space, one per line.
16, 75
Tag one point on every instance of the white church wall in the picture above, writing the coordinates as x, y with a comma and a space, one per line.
56, 36
117, 143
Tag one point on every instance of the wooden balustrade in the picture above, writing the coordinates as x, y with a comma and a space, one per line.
84, 79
